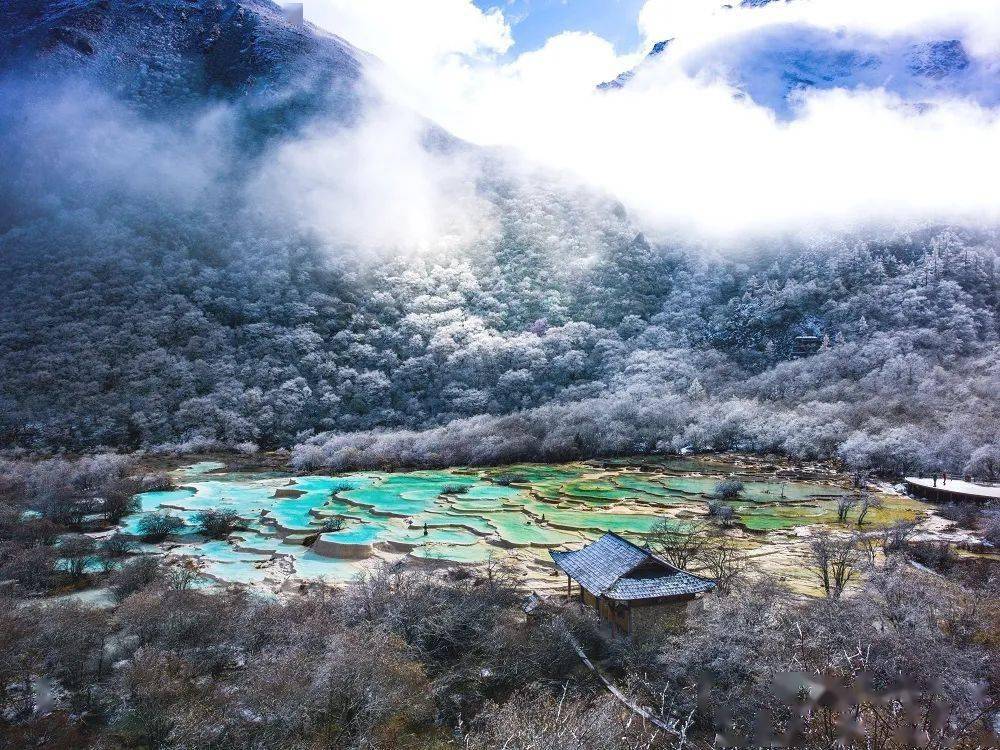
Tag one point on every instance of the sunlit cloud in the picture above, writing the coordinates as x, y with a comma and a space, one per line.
683, 146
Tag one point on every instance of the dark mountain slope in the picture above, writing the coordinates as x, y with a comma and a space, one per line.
165, 56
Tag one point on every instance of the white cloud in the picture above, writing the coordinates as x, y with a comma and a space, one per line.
978, 21
664, 19
373, 188
679, 147
415, 39
502, 104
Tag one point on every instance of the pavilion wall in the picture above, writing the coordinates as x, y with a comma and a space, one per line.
650, 618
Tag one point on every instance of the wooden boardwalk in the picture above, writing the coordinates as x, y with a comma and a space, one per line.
952, 490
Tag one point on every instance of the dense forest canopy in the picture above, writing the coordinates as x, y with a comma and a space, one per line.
184, 269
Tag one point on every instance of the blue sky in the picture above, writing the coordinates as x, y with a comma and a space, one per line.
534, 21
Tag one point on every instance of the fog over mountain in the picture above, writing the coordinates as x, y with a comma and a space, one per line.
221, 229
748, 104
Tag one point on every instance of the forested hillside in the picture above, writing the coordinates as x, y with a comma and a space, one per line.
155, 295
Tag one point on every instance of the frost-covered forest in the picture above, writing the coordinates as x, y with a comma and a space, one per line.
167, 286
116, 336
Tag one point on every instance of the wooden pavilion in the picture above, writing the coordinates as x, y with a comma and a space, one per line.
631, 589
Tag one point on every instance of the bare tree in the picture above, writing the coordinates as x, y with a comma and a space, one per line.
894, 537
834, 561
678, 546
845, 505
724, 562
867, 546
502, 573
868, 502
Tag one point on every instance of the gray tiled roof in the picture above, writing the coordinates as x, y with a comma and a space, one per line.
675, 584
601, 563
610, 566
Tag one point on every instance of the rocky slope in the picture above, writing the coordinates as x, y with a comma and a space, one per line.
165, 55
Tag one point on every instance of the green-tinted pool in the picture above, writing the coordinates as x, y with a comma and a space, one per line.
460, 515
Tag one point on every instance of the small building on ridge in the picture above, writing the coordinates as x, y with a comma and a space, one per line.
806, 345
630, 588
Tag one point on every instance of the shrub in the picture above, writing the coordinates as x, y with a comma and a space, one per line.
728, 489
217, 524
336, 523
158, 482
156, 527
964, 514
991, 529
721, 512
113, 549
934, 555
33, 568
117, 545
895, 537
507, 479
120, 501
134, 576
76, 552
183, 576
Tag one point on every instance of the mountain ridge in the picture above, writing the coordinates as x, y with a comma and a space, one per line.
774, 66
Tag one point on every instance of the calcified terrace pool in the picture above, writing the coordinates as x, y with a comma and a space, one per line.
461, 516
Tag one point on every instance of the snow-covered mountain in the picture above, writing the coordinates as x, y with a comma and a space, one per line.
171, 53
773, 65
623, 78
